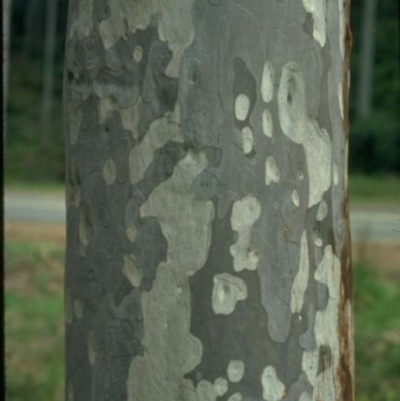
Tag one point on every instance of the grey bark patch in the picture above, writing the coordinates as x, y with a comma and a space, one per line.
206, 185
325, 358
244, 84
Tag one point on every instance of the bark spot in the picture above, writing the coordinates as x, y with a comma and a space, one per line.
317, 8
267, 82
220, 386
132, 271
272, 173
78, 308
267, 124
131, 233
85, 230
301, 279
109, 171
247, 140
245, 212
70, 392
235, 397
227, 291
242, 107
322, 211
273, 388
335, 174
295, 198
235, 371
299, 128
138, 53
326, 330
92, 348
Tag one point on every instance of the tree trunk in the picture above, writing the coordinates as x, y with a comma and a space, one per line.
48, 71
366, 66
6, 61
31, 23
208, 250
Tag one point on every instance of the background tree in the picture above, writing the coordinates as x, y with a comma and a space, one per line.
207, 246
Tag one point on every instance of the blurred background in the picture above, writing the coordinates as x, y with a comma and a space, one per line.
35, 210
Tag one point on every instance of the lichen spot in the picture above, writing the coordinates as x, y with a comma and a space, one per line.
235, 371
92, 348
295, 198
247, 140
78, 308
335, 174
267, 124
220, 386
317, 8
132, 271
138, 53
242, 107
272, 173
267, 82
227, 291
131, 233
109, 171
273, 388
322, 211
235, 397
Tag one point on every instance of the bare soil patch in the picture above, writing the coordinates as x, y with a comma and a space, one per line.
35, 232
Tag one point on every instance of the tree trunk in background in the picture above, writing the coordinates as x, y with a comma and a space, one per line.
31, 27
48, 76
6, 61
366, 67
208, 250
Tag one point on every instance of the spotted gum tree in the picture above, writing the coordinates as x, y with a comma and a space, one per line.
208, 248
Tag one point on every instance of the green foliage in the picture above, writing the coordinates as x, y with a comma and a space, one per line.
375, 189
377, 336
25, 159
375, 144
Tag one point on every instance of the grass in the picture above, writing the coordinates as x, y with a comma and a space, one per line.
379, 189
35, 323
377, 336
34, 186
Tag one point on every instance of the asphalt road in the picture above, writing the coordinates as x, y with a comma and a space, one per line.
372, 224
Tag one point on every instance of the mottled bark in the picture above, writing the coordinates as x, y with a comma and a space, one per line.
208, 246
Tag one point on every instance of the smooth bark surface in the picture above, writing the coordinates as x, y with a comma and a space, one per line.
208, 247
